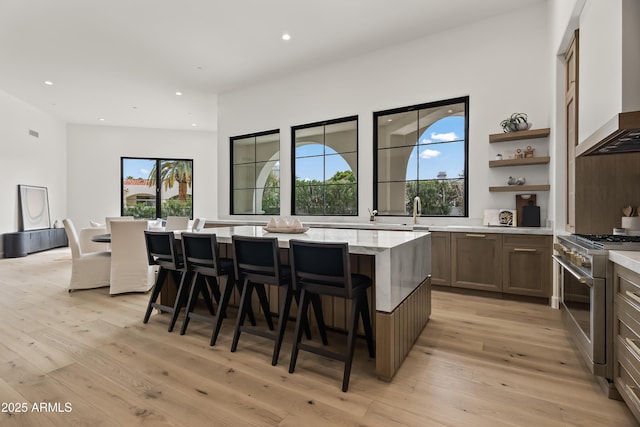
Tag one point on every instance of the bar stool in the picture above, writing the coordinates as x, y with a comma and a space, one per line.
162, 251
324, 269
256, 263
202, 257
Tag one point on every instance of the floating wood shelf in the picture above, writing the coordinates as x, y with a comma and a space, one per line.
520, 188
520, 162
523, 134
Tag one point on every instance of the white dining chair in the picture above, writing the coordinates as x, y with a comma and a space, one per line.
87, 245
130, 269
198, 224
88, 270
177, 223
110, 219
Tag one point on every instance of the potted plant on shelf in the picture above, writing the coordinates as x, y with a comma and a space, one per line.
515, 122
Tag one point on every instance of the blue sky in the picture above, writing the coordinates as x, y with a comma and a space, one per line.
440, 149
137, 168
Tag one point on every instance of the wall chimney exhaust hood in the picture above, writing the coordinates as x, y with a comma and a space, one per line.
621, 134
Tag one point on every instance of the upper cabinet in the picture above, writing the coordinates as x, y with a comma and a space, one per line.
522, 159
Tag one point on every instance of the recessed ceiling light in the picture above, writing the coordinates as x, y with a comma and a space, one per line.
101, 119
48, 82
194, 124
450, 111
179, 93
286, 37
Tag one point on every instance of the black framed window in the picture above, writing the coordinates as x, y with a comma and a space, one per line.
156, 188
255, 174
325, 168
422, 150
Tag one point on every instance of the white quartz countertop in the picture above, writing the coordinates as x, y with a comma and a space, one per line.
402, 227
627, 259
487, 229
360, 241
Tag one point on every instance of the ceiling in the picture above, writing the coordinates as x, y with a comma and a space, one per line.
123, 61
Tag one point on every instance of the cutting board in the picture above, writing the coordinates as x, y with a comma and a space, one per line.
520, 202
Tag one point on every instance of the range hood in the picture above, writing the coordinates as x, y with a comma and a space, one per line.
621, 134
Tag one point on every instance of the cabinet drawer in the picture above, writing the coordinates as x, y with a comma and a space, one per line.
626, 288
627, 313
526, 240
628, 347
628, 386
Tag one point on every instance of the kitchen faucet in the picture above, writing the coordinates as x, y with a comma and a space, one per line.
417, 207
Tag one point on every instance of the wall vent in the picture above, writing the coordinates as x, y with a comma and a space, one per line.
34, 133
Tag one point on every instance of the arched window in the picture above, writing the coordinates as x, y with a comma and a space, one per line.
255, 177
422, 151
325, 169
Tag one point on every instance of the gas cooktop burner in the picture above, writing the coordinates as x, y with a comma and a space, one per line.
608, 238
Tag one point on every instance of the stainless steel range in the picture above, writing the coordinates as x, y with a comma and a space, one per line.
586, 294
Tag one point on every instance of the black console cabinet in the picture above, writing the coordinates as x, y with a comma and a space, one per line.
21, 243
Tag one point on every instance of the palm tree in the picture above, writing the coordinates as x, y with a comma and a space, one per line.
172, 171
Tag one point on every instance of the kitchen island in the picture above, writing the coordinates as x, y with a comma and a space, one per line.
399, 262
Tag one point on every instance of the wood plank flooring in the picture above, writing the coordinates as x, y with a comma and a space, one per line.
478, 362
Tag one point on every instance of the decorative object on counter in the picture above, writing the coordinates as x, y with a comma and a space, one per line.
500, 217
516, 181
519, 154
498, 156
528, 152
531, 214
516, 122
523, 200
372, 214
285, 225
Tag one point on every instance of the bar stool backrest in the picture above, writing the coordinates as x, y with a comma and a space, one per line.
323, 267
257, 259
201, 253
161, 249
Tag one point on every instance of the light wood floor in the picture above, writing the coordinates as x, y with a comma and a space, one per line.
479, 362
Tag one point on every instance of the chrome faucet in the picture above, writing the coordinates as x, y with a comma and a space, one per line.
417, 207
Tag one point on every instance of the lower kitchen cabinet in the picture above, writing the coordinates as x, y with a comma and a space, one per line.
526, 262
440, 258
518, 264
626, 334
476, 261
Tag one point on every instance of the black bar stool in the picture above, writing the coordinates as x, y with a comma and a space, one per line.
162, 251
202, 257
325, 269
256, 263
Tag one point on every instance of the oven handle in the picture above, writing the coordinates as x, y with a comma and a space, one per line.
570, 269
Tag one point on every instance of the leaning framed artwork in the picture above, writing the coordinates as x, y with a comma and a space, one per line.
34, 207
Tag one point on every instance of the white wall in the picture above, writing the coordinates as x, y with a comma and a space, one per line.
94, 166
28, 160
501, 63
600, 92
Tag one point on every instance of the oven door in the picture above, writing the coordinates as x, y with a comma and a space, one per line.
583, 307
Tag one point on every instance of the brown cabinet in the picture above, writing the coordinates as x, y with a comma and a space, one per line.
518, 264
441, 258
626, 334
476, 261
526, 262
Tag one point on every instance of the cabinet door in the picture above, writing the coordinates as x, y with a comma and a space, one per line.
441, 258
476, 261
626, 336
527, 265
571, 136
